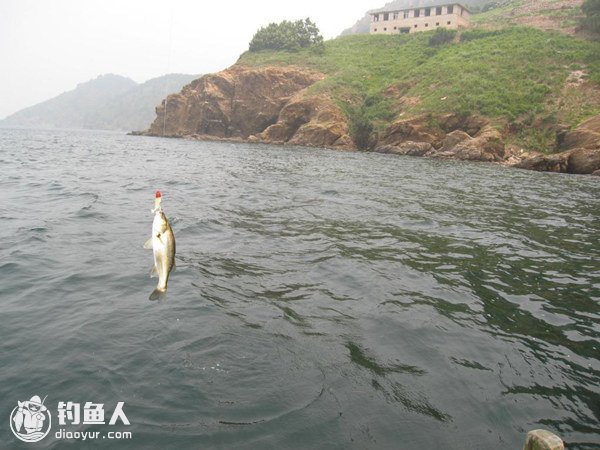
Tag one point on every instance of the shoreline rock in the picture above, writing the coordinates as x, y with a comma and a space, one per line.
274, 105
242, 104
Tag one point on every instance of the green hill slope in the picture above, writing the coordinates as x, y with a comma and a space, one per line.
530, 81
557, 15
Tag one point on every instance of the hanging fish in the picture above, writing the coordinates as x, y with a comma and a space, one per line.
162, 244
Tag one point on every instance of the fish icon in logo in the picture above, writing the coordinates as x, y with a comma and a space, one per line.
30, 421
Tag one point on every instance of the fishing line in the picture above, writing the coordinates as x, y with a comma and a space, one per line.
167, 72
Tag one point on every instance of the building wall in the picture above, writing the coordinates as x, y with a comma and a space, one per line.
395, 20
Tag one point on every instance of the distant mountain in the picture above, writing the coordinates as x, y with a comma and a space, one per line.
109, 102
362, 25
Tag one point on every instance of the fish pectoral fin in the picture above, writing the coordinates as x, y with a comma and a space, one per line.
153, 272
148, 244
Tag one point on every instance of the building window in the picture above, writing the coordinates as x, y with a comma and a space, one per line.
385, 29
426, 24
438, 11
406, 14
395, 16
375, 17
375, 29
394, 28
415, 25
450, 9
386, 16
427, 12
437, 24
417, 12
448, 22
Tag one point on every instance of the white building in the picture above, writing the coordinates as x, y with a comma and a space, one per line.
412, 20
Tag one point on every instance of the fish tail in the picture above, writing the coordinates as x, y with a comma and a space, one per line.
157, 294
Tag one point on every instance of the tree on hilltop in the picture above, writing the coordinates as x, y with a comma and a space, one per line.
287, 35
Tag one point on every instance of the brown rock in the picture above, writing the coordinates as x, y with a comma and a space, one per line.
596, 173
277, 132
543, 440
411, 130
545, 163
487, 145
452, 139
469, 124
316, 134
310, 120
586, 135
237, 102
344, 142
406, 148
584, 160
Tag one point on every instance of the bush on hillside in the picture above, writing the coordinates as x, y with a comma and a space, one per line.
591, 9
366, 117
441, 36
361, 128
287, 35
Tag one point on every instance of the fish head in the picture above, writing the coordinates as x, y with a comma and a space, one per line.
160, 224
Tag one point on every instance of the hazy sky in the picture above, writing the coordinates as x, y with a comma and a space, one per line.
48, 47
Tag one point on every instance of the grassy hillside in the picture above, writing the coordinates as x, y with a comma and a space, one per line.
558, 15
517, 75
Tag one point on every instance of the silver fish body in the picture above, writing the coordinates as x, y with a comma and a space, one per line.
163, 247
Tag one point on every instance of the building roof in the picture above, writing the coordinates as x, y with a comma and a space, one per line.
379, 11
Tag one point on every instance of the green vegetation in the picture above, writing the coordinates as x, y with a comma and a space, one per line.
552, 14
363, 116
288, 36
509, 74
441, 36
591, 9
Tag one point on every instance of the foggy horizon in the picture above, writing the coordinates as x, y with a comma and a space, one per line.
50, 48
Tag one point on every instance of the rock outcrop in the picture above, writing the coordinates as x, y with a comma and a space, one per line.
407, 148
411, 130
581, 155
486, 145
412, 137
544, 163
254, 104
586, 135
275, 105
309, 120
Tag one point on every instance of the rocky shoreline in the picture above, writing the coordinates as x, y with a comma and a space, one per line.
275, 105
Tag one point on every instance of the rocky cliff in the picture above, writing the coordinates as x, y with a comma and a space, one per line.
580, 152
275, 105
270, 105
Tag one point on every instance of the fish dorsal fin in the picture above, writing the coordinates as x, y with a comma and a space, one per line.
148, 244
